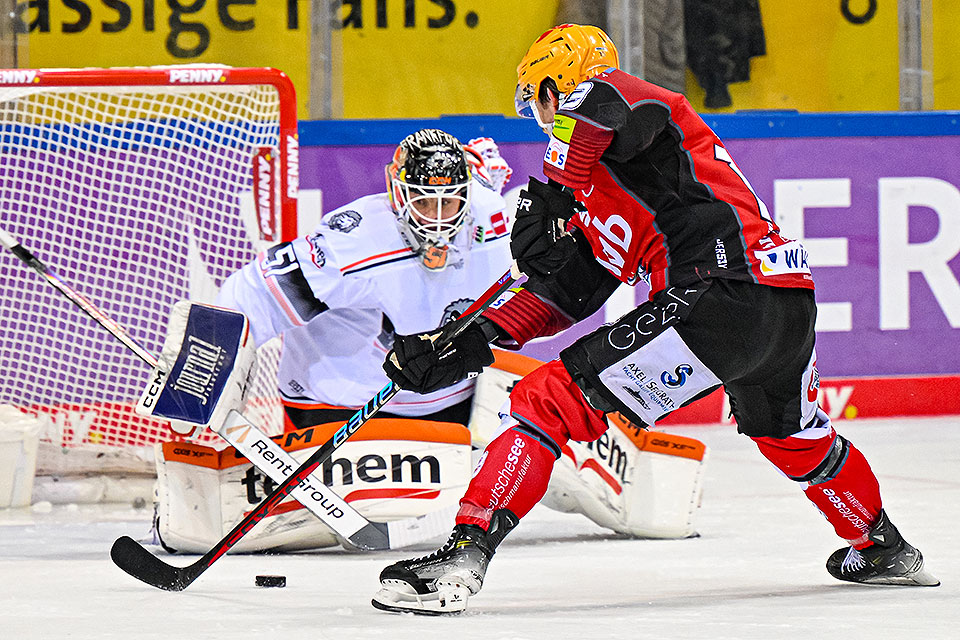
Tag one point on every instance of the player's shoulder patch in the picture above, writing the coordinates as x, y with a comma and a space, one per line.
556, 154
359, 230
563, 127
343, 221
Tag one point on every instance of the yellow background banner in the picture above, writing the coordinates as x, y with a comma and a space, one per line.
425, 58
443, 57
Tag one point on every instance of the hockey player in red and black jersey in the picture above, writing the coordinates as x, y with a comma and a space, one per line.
640, 188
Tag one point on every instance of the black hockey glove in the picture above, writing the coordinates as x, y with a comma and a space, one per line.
539, 241
415, 365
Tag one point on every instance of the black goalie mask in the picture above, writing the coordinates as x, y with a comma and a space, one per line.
429, 186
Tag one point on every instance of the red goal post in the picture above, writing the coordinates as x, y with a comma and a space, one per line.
139, 187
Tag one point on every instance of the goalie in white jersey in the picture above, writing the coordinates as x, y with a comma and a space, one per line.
405, 261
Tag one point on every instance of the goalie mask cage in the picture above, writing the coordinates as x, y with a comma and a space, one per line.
139, 187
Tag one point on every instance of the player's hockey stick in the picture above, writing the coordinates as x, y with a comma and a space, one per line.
136, 560
353, 529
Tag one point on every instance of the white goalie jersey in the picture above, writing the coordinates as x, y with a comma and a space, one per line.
338, 295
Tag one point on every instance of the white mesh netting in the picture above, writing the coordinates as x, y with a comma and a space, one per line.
136, 196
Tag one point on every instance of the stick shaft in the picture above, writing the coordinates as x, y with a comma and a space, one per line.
75, 297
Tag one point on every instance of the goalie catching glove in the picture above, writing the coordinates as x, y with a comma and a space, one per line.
205, 368
539, 240
416, 364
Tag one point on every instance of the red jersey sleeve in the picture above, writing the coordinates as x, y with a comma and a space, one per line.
576, 145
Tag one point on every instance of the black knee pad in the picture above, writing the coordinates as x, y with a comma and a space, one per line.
830, 466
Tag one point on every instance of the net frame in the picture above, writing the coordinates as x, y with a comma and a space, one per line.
196, 189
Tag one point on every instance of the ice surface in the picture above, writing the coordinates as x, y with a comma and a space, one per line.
756, 571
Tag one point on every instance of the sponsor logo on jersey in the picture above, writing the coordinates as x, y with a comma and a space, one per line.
343, 221
721, 254
636, 396
316, 253
556, 155
789, 257
813, 389
575, 98
614, 235
679, 377
499, 222
563, 127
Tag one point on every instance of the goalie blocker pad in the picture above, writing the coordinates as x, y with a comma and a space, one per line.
636, 482
389, 470
204, 368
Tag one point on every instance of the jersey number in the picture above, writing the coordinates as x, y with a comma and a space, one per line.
280, 260
721, 154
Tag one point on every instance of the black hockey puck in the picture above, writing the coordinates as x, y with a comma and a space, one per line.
271, 581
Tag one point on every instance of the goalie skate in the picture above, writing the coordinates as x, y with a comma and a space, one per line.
441, 583
889, 560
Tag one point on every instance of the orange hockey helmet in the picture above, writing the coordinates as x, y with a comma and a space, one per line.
567, 55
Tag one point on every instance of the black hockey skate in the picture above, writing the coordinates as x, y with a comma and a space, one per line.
889, 560
441, 583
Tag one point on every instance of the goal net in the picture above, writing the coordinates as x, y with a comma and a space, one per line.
138, 187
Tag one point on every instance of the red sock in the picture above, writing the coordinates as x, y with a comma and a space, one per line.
513, 473
845, 490
851, 501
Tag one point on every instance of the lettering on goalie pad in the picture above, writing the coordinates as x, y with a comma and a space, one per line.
636, 482
204, 369
392, 469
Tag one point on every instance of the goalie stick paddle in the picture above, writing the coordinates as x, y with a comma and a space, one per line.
132, 557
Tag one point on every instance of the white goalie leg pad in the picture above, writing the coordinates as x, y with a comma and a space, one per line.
204, 370
646, 484
636, 482
391, 470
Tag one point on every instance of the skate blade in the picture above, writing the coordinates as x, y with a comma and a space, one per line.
919, 578
401, 598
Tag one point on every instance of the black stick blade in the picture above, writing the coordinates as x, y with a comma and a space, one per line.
132, 557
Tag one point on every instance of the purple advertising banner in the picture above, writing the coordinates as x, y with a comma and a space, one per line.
880, 217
